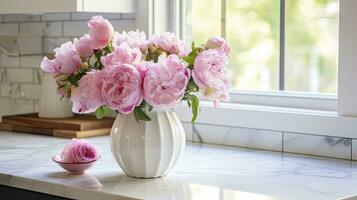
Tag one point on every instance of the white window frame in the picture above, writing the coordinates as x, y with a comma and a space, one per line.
273, 98
281, 110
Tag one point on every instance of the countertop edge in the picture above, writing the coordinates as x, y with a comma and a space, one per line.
61, 190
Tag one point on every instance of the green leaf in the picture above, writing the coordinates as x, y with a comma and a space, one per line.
108, 48
195, 108
190, 58
72, 79
192, 86
101, 112
189, 103
80, 74
139, 115
194, 103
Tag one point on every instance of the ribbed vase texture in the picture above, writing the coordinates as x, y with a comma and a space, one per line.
147, 149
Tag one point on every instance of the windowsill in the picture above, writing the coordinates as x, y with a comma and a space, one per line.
296, 120
304, 100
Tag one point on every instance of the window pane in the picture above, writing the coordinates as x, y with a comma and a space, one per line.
203, 20
311, 45
252, 30
253, 33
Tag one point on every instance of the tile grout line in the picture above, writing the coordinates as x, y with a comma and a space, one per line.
18, 29
62, 29
282, 143
351, 149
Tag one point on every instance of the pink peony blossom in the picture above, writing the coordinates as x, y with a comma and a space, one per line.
83, 46
123, 54
50, 66
209, 75
170, 43
143, 67
121, 89
132, 38
165, 82
67, 61
218, 43
79, 151
101, 32
87, 97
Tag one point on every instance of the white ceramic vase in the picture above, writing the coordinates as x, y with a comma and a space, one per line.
147, 149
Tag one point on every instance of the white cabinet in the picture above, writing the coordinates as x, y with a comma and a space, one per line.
48, 6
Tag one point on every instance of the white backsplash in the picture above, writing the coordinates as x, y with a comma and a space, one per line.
37, 35
280, 141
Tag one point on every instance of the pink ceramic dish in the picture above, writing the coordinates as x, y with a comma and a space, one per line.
73, 167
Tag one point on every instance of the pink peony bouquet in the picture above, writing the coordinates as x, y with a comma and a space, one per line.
126, 72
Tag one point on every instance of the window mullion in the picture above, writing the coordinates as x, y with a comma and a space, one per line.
282, 45
347, 59
223, 17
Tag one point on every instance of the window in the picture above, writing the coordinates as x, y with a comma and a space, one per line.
275, 44
282, 111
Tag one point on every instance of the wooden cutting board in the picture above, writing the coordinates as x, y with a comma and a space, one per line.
74, 127
77, 122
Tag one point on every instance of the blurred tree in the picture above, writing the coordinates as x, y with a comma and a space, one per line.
252, 29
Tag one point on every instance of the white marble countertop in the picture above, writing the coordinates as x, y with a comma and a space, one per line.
204, 172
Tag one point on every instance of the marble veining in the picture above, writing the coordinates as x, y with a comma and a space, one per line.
10, 90
3, 74
241, 137
335, 141
204, 172
318, 145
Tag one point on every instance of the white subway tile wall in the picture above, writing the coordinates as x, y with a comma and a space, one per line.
29, 45
19, 75
53, 29
9, 29
21, 18
49, 43
74, 28
55, 17
33, 29
30, 61
10, 90
38, 35
9, 61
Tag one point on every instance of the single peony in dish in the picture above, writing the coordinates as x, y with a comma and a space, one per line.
79, 151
